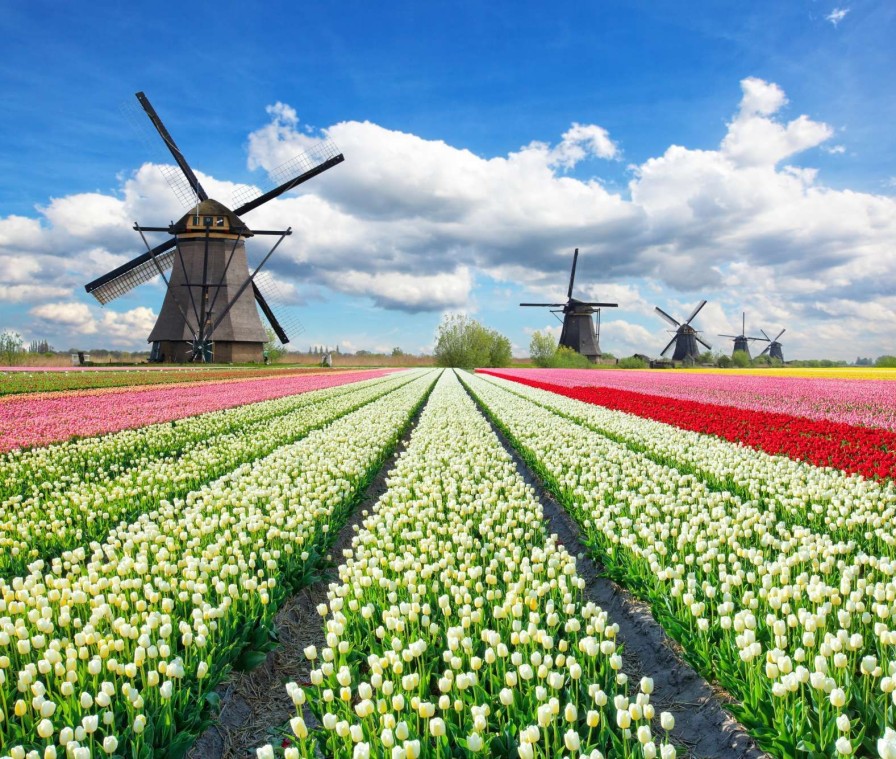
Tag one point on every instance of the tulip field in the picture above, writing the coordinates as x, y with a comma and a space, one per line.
148, 537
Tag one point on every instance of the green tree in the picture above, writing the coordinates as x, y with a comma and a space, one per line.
465, 344
10, 347
542, 348
888, 362
273, 348
724, 361
632, 362
740, 359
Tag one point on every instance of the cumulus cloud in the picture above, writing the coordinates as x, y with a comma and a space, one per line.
410, 223
117, 329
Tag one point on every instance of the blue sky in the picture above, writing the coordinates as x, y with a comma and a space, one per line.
739, 152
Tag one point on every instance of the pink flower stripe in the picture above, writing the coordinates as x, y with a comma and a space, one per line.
26, 421
859, 403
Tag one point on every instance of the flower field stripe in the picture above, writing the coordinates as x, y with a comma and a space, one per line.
458, 626
793, 623
847, 508
857, 403
92, 458
60, 516
120, 644
27, 422
18, 380
859, 450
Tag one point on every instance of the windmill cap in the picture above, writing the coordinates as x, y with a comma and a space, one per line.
214, 209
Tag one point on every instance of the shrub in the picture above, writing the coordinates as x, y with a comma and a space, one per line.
542, 348
465, 344
886, 362
740, 359
567, 358
632, 362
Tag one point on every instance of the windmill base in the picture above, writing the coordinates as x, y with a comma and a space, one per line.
224, 352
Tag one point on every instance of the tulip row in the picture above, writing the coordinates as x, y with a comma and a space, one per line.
795, 623
34, 421
68, 512
52, 379
459, 626
860, 450
22, 472
115, 649
845, 507
867, 403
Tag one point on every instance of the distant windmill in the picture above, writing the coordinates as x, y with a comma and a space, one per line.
741, 341
686, 338
209, 311
578, 326
774, 347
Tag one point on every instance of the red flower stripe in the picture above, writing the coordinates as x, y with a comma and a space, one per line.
858, 450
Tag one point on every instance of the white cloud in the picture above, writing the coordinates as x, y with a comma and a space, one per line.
837, 15
117, 329
756, 139
75, 316
23, 293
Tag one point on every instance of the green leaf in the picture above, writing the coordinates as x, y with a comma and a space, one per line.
249, 660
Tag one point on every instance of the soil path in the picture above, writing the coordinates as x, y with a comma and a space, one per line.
702, 726
255, 705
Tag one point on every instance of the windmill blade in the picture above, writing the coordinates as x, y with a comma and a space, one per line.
599, 305
172, 147
695, 312
766, 335
667, 317
135, 272
572, 275
268, 287
779, 335
765, 350
551, 305
291, 174
269, 315
671, 343
733, 337
703, 342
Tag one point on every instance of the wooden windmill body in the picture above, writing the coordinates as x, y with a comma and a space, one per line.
685, 338
741, 341
210, 310
773, 348
578, 331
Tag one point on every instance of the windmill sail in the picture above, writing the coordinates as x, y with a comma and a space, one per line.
210, 310
578, 325
125, 278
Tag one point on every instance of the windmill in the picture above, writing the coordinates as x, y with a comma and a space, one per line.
209, 311
578, 326
741, 341
686, 338
774, 347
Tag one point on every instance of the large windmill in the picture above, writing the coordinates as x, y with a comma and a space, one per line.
741, 341
686, 338
774, 347
578, 327
209, 311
